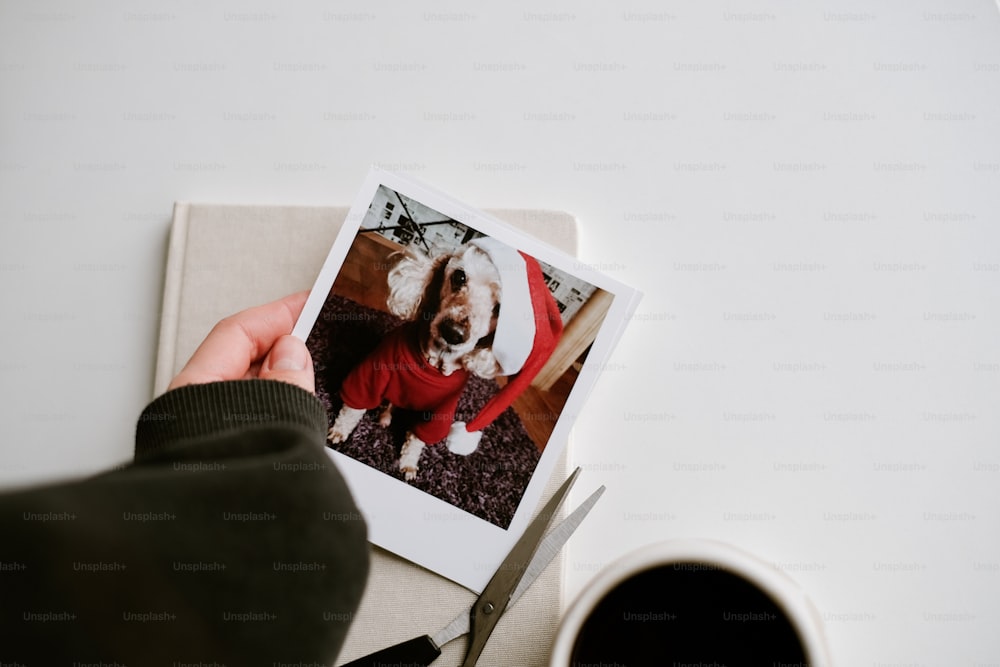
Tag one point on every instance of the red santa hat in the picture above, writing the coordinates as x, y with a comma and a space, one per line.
528, 327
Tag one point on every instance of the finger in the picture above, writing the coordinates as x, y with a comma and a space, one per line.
289, 361
236, 342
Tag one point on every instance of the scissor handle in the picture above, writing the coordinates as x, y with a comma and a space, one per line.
417, 651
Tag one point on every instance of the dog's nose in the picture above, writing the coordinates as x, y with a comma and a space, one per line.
454, 333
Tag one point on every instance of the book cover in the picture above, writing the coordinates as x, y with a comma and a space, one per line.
222, 259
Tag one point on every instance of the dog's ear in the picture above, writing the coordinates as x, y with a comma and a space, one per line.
415, 285
481, 361
430, 304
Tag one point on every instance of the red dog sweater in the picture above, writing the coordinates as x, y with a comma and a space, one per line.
396, 371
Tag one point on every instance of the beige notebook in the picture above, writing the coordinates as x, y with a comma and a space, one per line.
222, 259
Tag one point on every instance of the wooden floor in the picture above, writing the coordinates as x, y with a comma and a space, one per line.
540, 409
363, 276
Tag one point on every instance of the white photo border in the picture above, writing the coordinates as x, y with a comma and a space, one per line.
408, 521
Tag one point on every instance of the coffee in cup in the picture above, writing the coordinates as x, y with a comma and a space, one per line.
690, 603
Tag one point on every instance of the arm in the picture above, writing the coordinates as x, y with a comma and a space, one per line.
231, 538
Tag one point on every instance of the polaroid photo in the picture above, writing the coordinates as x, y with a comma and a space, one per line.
453, 353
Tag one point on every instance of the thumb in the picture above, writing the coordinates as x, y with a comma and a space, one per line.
289, 361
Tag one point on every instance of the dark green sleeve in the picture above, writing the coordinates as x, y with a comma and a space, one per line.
231, 539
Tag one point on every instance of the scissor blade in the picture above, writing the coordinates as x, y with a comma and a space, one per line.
547, 550
459, 626
553, 542
512, 569
493, 602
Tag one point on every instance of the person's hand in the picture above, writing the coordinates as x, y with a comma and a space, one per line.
254, 343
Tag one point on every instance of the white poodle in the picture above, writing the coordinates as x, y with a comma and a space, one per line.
451, 304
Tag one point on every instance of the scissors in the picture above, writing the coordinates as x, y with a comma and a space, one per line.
526, 560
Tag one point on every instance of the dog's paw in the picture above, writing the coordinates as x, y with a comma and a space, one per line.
409, 457
345, 423
385, 417
336, 435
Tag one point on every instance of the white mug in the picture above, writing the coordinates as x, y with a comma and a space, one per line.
687, 555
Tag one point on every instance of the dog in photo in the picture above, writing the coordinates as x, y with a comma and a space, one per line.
483, 309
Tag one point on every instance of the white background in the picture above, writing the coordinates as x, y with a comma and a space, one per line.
806, 193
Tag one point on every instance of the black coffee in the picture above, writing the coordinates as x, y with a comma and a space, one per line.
687, 615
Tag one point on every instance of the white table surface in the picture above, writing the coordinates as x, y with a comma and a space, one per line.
807, 193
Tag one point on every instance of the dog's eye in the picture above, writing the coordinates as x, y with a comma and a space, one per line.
458, 279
